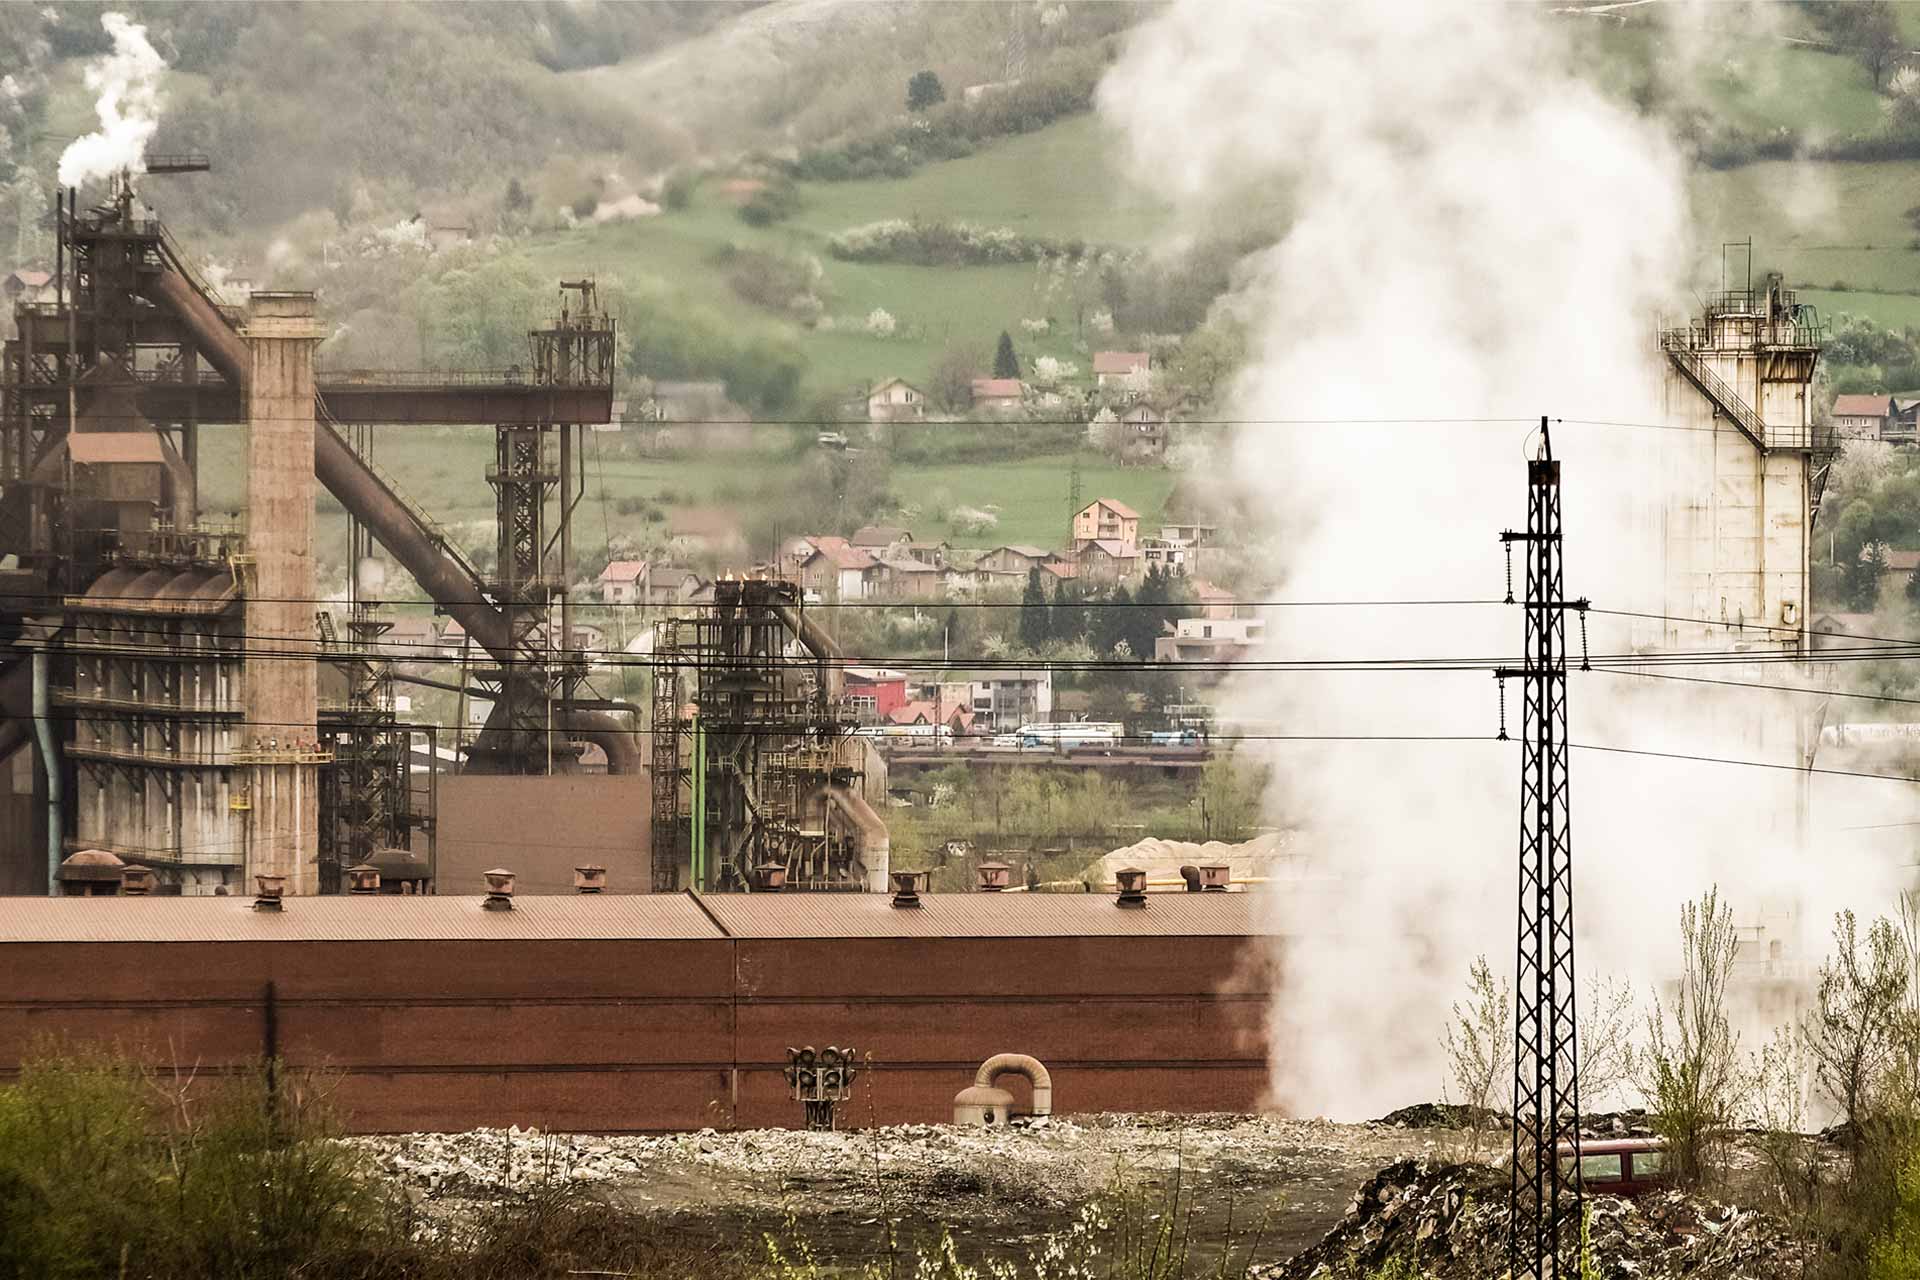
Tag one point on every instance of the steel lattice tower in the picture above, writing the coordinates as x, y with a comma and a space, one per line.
1543, 1241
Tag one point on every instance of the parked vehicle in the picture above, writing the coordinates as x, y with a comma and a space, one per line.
1620, 1166
1066, 735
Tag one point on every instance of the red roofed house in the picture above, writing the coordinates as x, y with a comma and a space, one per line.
1861, 417
875, 693
834, 568
28, 286
624, 582
1108, 520
1896, 566
1113, 368
955, 716
999, 394
1105, 560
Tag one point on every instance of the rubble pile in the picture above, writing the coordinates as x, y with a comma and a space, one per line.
1450, 1221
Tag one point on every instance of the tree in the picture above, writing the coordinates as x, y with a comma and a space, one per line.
1479, 1042
1110, 621
1006, 362
1033, 612
1068, 621
1689, 1072
950, 383
516, 200
925, 90
1853, 1032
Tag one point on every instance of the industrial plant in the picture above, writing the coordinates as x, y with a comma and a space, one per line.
189, 708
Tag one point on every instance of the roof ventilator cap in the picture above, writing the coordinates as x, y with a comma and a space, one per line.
591, 878
499, 890
993, 877
364, 878
1215, 876
770, 877
136, 881
1132, 882
907, 886
269, 886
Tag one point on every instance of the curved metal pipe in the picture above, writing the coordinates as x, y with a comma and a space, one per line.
1001, 1064
604, 731
821, 645
876, 846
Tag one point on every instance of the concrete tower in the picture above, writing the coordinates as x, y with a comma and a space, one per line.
280, 737
1738, 545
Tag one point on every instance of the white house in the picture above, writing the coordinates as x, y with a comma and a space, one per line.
624, 582
896, 400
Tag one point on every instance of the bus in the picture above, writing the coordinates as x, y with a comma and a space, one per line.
1067, 735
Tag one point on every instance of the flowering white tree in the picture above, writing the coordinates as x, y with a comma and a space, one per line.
880, 323
1049, 372
1101, 321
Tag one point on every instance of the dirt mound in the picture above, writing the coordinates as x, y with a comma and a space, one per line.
1442, 1115
1451, 1220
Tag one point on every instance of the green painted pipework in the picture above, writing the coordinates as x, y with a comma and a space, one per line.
699, 867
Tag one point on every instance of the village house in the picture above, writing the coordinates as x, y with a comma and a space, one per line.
1108, 560
1200, 535
958, 717
624, 582
873, 694
697, 402
1142, 434
1005, 699
1861, 417
880, 537
902, 578
1015, 558
1903, 424
1168, 556
1103, 519
1896, 566
693, 530
410, 637
1215, 601
997, 395
896, 400
834, 569
1114, 368
27, 285
1210, 640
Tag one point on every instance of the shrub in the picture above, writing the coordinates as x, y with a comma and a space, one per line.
939, 244
774, 202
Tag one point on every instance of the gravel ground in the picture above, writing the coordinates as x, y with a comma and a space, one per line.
998, 1192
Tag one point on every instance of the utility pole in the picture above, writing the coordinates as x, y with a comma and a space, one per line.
1544, 1198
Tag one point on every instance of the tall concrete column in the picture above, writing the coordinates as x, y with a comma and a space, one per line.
280, 736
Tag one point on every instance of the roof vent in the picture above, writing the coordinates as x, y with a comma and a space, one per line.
136, 881
907, 886
364, 878
1215, 876
499, 890
770, 877
1133, 886
591, 878
270, 886
993, 877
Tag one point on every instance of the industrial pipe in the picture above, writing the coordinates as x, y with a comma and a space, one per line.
1001, 1064
43, 730
876, 846
821, 645
605, 732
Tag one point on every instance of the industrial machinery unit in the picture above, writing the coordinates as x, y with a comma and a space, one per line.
757, 780
185, 662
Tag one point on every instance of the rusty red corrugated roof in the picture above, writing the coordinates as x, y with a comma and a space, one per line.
986, 915
353, 917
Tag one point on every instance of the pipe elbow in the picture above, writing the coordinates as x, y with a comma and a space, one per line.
1023, 1065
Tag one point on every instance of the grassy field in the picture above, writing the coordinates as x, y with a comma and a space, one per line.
1059, 182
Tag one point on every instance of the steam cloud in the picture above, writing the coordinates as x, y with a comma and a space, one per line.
1471, 233
127, 84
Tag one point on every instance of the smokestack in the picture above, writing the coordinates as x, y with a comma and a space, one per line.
590, 879
906, 888
1191, 874
364, 878
499, 890
1132, 882
992, 877
271, 884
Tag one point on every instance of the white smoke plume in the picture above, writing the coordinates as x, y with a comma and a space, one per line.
127, 84
1472, 237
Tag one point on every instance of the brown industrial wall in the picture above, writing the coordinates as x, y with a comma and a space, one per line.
663, 1034
543, 827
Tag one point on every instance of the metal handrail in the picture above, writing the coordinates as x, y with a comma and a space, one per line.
1724, 397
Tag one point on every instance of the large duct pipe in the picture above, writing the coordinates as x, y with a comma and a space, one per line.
363, 493
821, 645
603, 730
1021, 1064
876, 846
50, 760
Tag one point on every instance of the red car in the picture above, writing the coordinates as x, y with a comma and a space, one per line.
1619, 1166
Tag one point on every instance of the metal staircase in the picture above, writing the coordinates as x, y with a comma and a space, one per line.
1723, 397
